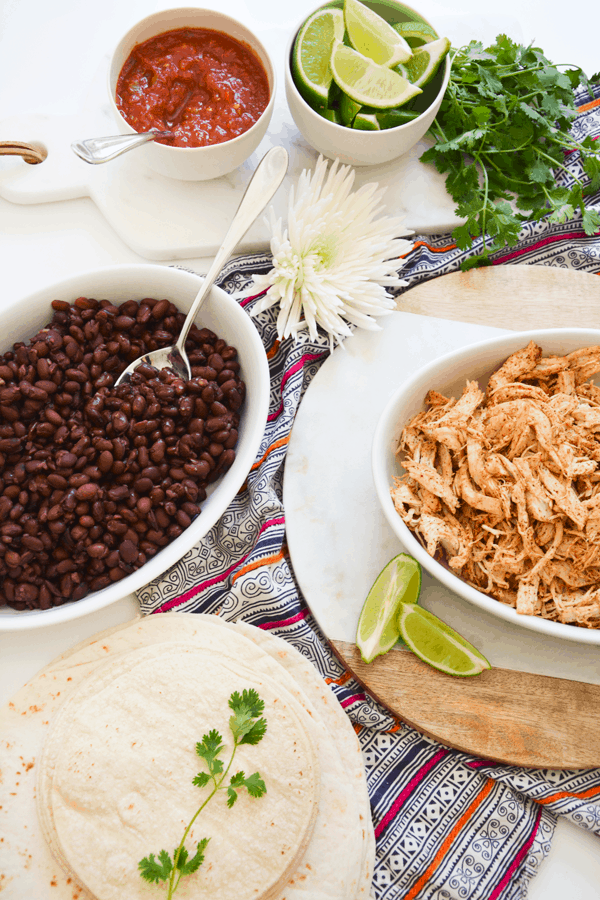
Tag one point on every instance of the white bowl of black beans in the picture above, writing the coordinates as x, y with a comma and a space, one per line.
102, 489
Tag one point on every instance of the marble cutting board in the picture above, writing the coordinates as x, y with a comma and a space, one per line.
165, 219
538, 705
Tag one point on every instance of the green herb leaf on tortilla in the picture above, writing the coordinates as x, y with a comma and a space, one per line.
201, 779
154, 870
189, 866
245, 725
246, 728
253, 784
208, 750
249, 702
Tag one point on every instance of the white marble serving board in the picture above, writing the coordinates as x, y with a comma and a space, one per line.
164, 219
338, 537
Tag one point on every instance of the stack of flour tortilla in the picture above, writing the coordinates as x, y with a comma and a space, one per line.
98, 756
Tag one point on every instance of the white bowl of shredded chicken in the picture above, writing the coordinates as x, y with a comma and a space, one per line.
487, 467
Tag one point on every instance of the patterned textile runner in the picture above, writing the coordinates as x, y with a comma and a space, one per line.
448, 826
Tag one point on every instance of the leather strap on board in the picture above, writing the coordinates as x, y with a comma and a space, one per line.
30, 153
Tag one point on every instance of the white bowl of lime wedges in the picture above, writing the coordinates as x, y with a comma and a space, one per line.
364, 81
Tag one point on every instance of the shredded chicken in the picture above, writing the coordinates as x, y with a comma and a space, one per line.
505, 486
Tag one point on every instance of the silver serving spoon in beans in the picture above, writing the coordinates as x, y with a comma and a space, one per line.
266, 179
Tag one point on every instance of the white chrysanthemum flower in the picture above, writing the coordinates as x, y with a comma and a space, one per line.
333, 262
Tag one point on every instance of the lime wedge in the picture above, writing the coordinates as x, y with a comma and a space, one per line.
398, 581
425, 61
437, 644
348, 109
312, 53
366, 122
373, 36
366, 82
401, 70
391, 118
333, 95
415, 33
332, 115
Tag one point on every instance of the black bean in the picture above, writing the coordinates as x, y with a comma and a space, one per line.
87, 470
128, 551
105, 461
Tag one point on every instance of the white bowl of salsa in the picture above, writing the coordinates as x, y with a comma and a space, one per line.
204, 77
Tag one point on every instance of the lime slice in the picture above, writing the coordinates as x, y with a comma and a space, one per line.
348, 109
391, 118
437, 644
377, 630
425, 61
333, 95
332, 115
373, 36
415, 33
312, 53
401, 70
366, 82
366, 122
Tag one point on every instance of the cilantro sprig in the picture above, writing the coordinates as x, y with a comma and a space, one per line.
247, 726
502, 133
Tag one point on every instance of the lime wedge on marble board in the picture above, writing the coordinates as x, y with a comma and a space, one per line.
398, 581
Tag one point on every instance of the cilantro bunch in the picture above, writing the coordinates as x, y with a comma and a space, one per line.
246, 728
502, 133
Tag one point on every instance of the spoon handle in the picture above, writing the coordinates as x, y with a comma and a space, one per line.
102, 149
266, 179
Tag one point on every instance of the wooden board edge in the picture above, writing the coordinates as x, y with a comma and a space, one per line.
509, 296
523, 730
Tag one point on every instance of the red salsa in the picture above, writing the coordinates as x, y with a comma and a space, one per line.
203, 86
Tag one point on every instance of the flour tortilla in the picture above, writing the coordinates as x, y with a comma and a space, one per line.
347, 850
28, 868
346, 871
122, 780
328, 710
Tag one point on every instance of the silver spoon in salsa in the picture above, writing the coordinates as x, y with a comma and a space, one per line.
267, 177
103, 149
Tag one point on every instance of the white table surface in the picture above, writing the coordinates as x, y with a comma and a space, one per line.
49, 53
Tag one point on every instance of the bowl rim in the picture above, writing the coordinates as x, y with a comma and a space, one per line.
381, 448
265, 61
341, 129
15, 620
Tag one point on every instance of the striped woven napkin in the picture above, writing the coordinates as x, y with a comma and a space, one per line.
449, 826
